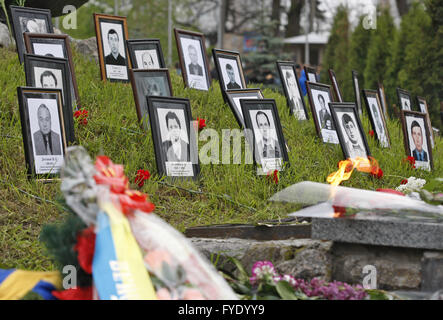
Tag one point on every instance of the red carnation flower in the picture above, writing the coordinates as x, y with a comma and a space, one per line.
411, 161
404, 181
142, 175
201, 123
274, 174
377, 172
82, 116
134, 200
371, 133
84, 293
110, 174
339, 211
85, 249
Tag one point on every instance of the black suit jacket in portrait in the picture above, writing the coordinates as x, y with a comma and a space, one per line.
195, 69
234, 85
40, 147
120, 61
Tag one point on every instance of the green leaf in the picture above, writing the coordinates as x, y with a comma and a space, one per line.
285, 291
243, 277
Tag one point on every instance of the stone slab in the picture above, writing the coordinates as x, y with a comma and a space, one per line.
383, 231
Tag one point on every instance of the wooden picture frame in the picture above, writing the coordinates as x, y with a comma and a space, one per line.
376, 117
223, 59
292, 90
383, 100
113, 54
350, 130
235, 95
55, 45
49, 72
168, 116
404, 100
411, 121
145, 54
319, 97
337, 92
357, 95
258, 113
193, 59
32, 20
147, 82
423, 106
311, 74
38, 108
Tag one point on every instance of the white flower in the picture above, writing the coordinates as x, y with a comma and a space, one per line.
414, 185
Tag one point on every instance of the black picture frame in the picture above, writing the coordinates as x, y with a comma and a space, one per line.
407, 121
376, 114
135, 45
159, 107
326, 131
19, 15
404, 97
337, 92
54, 64
235, 95
52, 39
423, 106
290, 66
311, 74
269, 107
219, 54
40, 166
141, 89
339, 110
200, 67
357, 95
118, 70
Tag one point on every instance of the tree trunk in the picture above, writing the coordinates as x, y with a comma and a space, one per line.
293, 28
275, 16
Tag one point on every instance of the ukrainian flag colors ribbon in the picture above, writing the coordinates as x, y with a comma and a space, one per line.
15, 284
118, 269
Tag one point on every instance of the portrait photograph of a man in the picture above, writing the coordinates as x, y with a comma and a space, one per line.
111, 41
174, 142
417, 139
44, 130
376, 116
229, 75
295, 101
48, 78
265, 135
353, 139
29, 20
320, 97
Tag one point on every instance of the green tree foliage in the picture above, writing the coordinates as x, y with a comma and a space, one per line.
358, 52
337, 53
379, 50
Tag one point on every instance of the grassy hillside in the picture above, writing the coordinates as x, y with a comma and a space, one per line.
223, 194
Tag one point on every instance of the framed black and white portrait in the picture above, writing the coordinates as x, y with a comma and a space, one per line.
31, 20
145, 54
44, 137
357, 92
193, 60
49, 72
112, 32
383, 101
235, 95
377, 118
335, 87
151, 82
319, 97
423, 106
174, 140
265, 134
404, 99
350, 130
230, 70
311, 74
53, 45
292, 90
417, 138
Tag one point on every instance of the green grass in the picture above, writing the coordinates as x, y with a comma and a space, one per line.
229, 193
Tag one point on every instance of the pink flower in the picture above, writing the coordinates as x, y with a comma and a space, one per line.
192, 294
163, 294
155, 259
